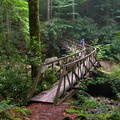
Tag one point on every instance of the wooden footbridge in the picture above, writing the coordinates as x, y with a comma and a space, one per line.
72, 69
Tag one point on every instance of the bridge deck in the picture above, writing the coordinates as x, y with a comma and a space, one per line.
71, 71
48, 96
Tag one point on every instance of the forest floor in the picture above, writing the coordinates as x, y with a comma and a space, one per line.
42, 111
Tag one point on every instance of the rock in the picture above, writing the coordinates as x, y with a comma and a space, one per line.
50, 59
67, 118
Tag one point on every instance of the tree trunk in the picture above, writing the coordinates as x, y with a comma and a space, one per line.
48, 10
7, 30
87, 7
107, 11
51, 9
73, 10
34, 25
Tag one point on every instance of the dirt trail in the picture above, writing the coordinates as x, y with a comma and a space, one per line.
42, 111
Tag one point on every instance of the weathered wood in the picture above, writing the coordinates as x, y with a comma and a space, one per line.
72, 79
47, 96
68, 95
41, 70
55, 92
72, 68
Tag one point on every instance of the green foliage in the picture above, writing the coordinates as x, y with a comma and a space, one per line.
107, 32
15, 79
71, 111
51, 34
108, 51
117, 33
113, 50
14, 113
14, 29
4, 104
73, 49
34, 53
62, 9
83, 28
94, 109
49, 78
101, 50
14, 85
50, 75
17, 19
113, 79
21, 110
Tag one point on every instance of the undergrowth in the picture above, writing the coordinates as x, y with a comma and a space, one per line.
94, 109
11, 112
98, 108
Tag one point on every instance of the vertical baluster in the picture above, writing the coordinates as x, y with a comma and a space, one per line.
59, 86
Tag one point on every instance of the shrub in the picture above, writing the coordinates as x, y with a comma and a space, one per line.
113, 50
15, 80
8, 112
14, 85
83, 28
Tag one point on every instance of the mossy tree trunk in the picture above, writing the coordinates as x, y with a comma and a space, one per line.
34, 25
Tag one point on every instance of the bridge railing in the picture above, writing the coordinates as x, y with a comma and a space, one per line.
74, 72
58, 62
76, 65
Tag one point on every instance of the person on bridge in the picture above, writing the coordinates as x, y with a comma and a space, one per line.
82, 42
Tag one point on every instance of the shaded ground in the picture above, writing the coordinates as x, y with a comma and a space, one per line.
42, 111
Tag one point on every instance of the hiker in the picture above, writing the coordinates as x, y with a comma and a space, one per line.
82, 42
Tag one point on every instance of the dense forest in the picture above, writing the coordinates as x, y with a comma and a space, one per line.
30, 28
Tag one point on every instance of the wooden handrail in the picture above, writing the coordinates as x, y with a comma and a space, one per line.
79, 68
78, 61
61, 62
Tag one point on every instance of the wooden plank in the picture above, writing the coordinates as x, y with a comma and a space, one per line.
68, 95
49, 95
46, 96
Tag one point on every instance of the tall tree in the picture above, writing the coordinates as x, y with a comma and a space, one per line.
7, 28
48, 10
13, 24
34, 25
73, 9
51, 9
